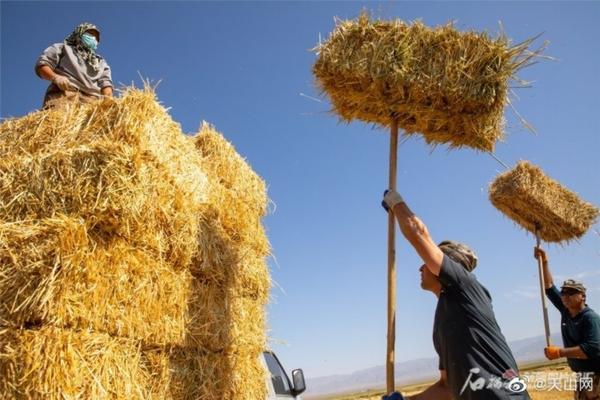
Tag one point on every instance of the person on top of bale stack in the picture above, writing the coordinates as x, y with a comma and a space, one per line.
475, 361
580, 328
75, 70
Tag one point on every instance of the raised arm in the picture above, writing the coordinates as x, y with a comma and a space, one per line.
540, 254
415, 231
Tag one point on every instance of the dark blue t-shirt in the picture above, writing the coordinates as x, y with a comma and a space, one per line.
468, 340
583, 330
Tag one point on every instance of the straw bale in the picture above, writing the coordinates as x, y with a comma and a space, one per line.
122, 164
450, 86
136, 118
189, 374
144, 246
222, 262
238, 195
53, 274
223, 319
531, 199
51, 363
232, 241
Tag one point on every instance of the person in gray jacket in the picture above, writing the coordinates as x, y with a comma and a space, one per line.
75, 70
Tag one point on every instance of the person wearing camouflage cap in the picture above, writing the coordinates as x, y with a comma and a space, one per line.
580, 329
74, 68
475, 361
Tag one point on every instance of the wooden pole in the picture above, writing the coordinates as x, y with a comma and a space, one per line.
542, 292
391, 300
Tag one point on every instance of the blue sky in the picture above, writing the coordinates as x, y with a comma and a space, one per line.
243, 66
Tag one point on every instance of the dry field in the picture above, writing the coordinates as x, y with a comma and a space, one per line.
538, 371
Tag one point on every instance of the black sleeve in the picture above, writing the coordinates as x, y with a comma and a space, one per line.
554, 295
438, 350
453, 273
591, 337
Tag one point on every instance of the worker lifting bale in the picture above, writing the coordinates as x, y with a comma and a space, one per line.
449, 86
542, 206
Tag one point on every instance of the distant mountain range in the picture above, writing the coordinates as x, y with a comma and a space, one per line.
525, 351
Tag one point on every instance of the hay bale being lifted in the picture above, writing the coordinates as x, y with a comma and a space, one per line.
536, 202
450, 86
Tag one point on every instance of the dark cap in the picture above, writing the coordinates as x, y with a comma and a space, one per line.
573, 284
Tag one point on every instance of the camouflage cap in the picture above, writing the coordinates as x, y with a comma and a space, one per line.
461, 253
573, 284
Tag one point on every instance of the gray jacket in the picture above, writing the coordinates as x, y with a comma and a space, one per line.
63, 60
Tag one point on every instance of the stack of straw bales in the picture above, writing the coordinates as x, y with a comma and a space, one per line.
540, 204
132, 257
450, 86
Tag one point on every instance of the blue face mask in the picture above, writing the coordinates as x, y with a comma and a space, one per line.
89, 41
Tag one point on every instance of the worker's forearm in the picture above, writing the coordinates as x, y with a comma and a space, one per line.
415, 231
573, 352
437, 391
46, 72
548, 281
106, 91
410, 225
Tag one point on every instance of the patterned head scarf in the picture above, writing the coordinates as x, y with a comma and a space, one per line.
87, 54
460, 253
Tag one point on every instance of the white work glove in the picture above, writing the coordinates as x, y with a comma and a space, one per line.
390, 199
62, 82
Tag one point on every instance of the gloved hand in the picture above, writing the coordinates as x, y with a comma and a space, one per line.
393, 396
552, 352
62, 82
390, 199
540, 254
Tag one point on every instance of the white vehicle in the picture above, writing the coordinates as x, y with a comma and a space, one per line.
279, 385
